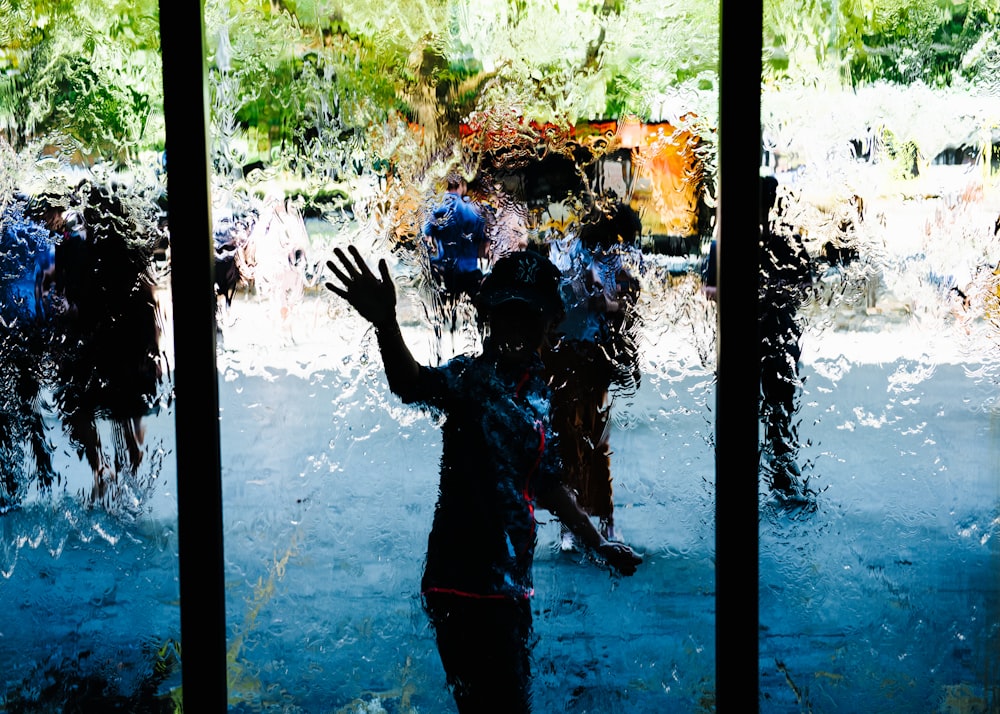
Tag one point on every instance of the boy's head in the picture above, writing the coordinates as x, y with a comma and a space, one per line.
455, 183
525, 277
519, 300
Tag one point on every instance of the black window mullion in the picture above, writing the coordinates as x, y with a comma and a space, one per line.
199, 483
736, 523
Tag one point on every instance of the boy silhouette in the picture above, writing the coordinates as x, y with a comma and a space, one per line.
498, 464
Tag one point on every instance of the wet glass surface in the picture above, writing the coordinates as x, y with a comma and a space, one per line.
330, 482
879, 495
88, 561
880, 591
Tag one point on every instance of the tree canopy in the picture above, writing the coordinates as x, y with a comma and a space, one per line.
84, 74
861, 42
303, 81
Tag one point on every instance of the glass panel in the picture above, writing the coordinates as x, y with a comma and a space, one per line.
879, 587
340, 124
88, 561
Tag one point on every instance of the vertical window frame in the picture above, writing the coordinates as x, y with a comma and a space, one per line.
199, 468
738, 370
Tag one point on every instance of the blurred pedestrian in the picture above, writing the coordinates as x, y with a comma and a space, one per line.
455, 236
785, 277
785, 270
594, 349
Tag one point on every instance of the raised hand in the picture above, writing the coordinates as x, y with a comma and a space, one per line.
373, 298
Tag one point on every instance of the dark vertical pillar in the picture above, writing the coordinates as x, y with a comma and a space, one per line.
736, 567
199, 483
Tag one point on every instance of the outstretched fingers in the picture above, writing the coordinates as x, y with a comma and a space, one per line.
383, 269
347, 273
337, 273
331, 286
374, 297
362, 268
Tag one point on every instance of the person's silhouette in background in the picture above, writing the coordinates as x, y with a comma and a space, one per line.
455, 235
785, 276
593, 351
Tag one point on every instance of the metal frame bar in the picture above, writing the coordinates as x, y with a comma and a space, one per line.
199, 467
736, 456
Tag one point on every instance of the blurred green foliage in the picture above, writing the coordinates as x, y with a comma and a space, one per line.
301, 82
936, 42
83, 75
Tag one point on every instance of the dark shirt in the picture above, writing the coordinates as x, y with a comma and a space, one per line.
785, 267
25, 253
709, 271
496, 457
784, 261
459, 231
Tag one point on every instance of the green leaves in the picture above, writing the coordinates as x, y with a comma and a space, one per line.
85, 72
864, 41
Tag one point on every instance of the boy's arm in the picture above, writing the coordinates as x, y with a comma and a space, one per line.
560, 501
375, 300
401, 369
